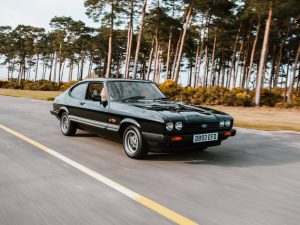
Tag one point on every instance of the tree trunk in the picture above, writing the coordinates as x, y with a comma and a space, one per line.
51, 67
8, 69
191, 72
238, 65
62, 71
91, 63
272, 80
290, 91
150, 59
199, 64
156, 60
60, 63
155, 55
169, 55
232, 68
55, 68
176, 56
263, 57
213, 60
71, 70
129, 41
253, 53
128, 51
82, 65
139, 41
246, 52
110, 41
287, 78
178, 61
196, 64
36, 68
205, 67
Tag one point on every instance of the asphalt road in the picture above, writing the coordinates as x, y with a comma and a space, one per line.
253, 178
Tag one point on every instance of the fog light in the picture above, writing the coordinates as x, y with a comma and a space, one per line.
227, 134
169, 126
178, 125
176, 138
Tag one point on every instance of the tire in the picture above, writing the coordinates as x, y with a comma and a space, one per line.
133, 143
67, 127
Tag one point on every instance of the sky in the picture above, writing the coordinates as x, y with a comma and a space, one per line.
39, 13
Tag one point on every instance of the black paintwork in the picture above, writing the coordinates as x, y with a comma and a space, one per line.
150, 116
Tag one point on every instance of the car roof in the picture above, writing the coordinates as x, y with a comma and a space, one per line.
116, 79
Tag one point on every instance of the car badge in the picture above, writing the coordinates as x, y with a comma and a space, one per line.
204, 126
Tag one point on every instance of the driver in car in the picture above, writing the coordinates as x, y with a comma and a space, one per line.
103, 95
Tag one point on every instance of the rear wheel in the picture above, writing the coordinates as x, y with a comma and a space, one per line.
67, 127
133, 143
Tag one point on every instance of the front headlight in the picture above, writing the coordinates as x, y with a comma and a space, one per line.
227, 123
222, 123
178, 126
169, 126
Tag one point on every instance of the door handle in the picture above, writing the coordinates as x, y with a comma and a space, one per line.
82, 103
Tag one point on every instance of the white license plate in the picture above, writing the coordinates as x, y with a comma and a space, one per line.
205, 137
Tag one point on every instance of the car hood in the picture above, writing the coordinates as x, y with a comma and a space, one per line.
177, 111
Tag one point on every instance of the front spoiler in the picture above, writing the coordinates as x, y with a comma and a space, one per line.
55, 113
164, 142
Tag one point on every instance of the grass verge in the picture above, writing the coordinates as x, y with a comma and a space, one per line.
41, 95
264, 118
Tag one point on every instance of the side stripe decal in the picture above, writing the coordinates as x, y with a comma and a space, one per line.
94, 123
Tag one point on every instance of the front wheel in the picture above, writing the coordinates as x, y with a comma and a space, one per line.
133, 143
67, 127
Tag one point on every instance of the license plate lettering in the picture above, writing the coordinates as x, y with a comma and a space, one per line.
205, 137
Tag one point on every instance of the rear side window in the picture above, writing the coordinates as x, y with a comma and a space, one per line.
94, 89
79, 91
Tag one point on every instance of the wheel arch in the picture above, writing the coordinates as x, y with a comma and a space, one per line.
127, 122
62, 110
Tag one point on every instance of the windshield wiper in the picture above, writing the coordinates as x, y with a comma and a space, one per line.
161, 99
134, 98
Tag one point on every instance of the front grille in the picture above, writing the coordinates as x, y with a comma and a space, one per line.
193, 128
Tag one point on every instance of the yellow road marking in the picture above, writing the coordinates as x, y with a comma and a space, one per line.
167, 213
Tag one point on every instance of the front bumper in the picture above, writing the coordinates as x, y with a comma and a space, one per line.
162, 142
55, 113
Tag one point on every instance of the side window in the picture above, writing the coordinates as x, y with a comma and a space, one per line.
94, 89
79, 91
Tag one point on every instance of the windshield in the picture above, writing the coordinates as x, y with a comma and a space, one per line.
120, 90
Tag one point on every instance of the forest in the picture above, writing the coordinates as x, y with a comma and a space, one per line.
250, 45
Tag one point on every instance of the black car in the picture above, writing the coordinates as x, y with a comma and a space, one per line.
138, 114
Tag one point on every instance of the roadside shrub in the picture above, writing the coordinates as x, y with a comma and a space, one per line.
3, 83
12, 85
269, 98
170, 89
66, 86
238, 97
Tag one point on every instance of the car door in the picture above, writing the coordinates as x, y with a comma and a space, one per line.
94, 113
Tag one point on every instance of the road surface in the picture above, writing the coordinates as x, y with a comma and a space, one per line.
253, 178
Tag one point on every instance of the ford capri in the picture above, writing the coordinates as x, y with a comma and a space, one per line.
137, 114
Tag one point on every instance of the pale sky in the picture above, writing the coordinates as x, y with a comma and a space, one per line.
39, 12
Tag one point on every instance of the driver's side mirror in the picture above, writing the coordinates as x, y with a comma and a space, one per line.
97, 98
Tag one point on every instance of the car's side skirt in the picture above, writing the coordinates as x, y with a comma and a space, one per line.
94, 123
